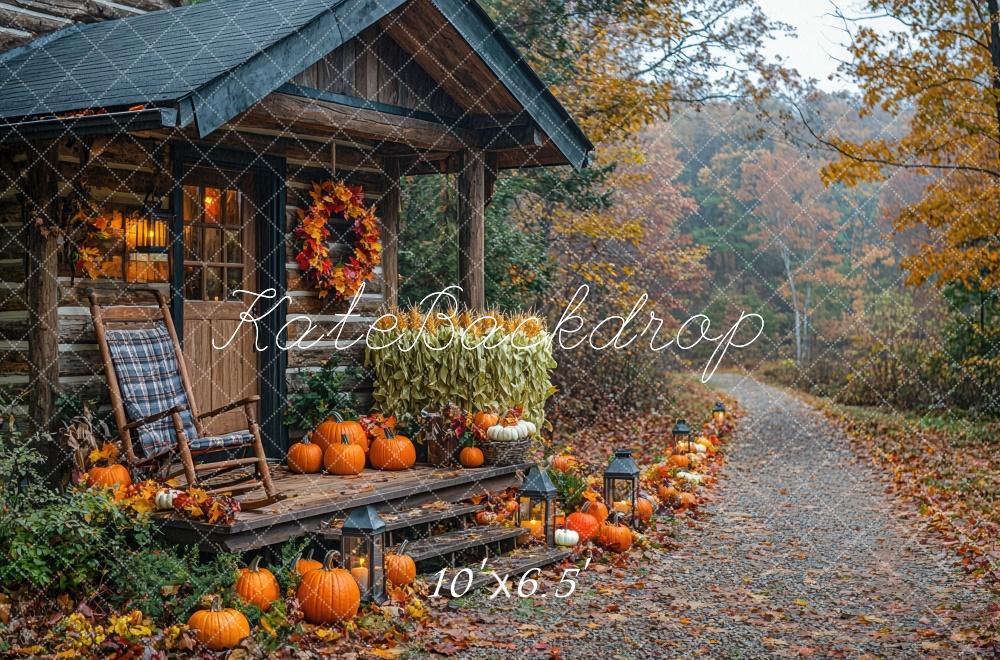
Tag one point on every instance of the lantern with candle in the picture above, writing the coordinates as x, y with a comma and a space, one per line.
719, 412
146, 239
681, 437
621, 483
536, 511
362, 544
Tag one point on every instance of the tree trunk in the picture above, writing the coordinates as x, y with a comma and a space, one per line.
786, 258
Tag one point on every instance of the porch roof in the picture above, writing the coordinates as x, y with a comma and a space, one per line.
206, 63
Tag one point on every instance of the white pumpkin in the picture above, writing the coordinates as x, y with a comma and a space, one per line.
566, 538
164, 498
502, 433
700, 448
532, 429
690, 477
522, 429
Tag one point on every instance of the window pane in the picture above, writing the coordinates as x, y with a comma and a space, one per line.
213, 245
213, 283
192, 243
234, 251
231, 208
234, 281
192, 203
192, 283
213, 204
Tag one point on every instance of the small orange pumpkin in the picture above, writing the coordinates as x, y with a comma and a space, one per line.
511, 506
392, 452
668, 494
219, 629
110, 476
583, 524
471, 457
644, 508
328, 594
305, 564
400, 568
484, 419
485, 518
680, 460
344, 458
563, 463
614, 535
305, 457
596, 509
257, 586
332, 430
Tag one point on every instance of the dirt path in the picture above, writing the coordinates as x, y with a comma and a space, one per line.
800, 554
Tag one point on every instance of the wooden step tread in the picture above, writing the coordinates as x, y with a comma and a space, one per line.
513, 565
458, 540
430, 512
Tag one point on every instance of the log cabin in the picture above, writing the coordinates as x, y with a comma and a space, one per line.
199, 131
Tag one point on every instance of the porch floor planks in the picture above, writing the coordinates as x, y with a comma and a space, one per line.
313, 499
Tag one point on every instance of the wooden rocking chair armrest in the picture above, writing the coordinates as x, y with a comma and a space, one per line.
149, 419
230, 406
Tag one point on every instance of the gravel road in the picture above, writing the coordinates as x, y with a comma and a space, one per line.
801, 553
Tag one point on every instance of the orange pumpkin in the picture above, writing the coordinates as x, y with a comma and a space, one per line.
400, 568
511, 506
596, 509
305, 564
644, 509
332, 430
305, 457
344, 458
562, 463
471, 457
392, 452
219, 629
680, 461
328, 594
668, 494
257, 586
583, 524
485, 518
485, 420
614, 535
110, 476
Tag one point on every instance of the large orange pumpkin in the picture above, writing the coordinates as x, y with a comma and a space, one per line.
614, 535
471, 457
305, 457
329, 594
329, 433
219, 629
596, 509
110, 476
392, 452
583, 524
305, 564
400, 568
344, 458
257, 586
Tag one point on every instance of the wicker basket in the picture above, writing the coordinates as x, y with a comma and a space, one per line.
506, 452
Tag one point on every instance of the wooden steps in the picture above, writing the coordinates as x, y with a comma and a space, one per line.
415, 520
450, 544
513, 566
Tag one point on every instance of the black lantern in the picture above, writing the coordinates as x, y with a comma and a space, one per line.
621, 483
362, 546
719, 412
682, 433
146, 232
536, 510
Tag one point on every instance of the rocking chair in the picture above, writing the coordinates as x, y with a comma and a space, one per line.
154, 406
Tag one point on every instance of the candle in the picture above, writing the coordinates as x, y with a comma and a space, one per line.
360, 574
535, 527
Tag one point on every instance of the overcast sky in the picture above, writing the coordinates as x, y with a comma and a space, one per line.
820, 39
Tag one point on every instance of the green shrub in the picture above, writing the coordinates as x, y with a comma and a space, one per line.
321, 394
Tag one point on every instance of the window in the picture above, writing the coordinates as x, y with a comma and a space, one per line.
213, 250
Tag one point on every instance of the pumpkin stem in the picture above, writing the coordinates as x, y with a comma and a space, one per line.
402, 546
254, 566
330, 560
388, 433
216, 603
337, 416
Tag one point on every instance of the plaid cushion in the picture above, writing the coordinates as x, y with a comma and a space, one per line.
234, 439
150, 382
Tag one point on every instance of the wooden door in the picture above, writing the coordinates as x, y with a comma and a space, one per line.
219, 216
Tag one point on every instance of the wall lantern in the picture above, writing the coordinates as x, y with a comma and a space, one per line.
536, 511
146, 239
719, 412
362, 545
621, 483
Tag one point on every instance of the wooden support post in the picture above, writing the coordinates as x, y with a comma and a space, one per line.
390, 232
40, 206
472, 229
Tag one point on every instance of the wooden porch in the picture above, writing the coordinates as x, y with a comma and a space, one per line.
314, 500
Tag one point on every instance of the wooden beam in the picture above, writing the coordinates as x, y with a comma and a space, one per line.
472, 229
287, 112
390, 233
41, 204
